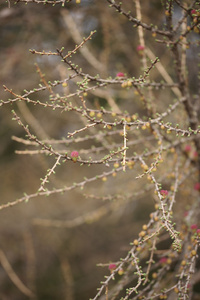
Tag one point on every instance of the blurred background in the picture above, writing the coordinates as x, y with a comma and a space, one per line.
57, 259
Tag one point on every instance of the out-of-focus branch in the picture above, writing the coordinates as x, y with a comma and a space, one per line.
163, 72
13, 276
75, 34
68, 277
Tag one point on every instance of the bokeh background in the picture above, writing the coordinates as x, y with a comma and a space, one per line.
59, 260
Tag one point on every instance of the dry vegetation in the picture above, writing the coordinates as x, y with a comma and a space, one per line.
100, 164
